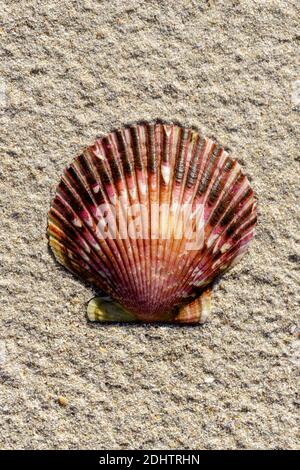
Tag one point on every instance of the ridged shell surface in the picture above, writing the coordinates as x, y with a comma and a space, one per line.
151, 214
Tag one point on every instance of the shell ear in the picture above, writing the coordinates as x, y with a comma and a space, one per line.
104, 310
196, 311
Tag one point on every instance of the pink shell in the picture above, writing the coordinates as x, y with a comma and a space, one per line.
128, 210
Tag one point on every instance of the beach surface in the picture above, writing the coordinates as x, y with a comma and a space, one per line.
71, 71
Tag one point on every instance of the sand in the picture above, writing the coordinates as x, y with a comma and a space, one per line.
72, 70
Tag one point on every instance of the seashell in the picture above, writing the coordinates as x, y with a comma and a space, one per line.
151, 215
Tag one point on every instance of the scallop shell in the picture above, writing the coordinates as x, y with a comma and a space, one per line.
151, 215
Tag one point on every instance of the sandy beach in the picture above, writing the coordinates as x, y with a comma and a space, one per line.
72, 70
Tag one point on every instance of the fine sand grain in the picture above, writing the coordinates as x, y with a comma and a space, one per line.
72, 70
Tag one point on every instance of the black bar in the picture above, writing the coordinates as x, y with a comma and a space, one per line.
133, 459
